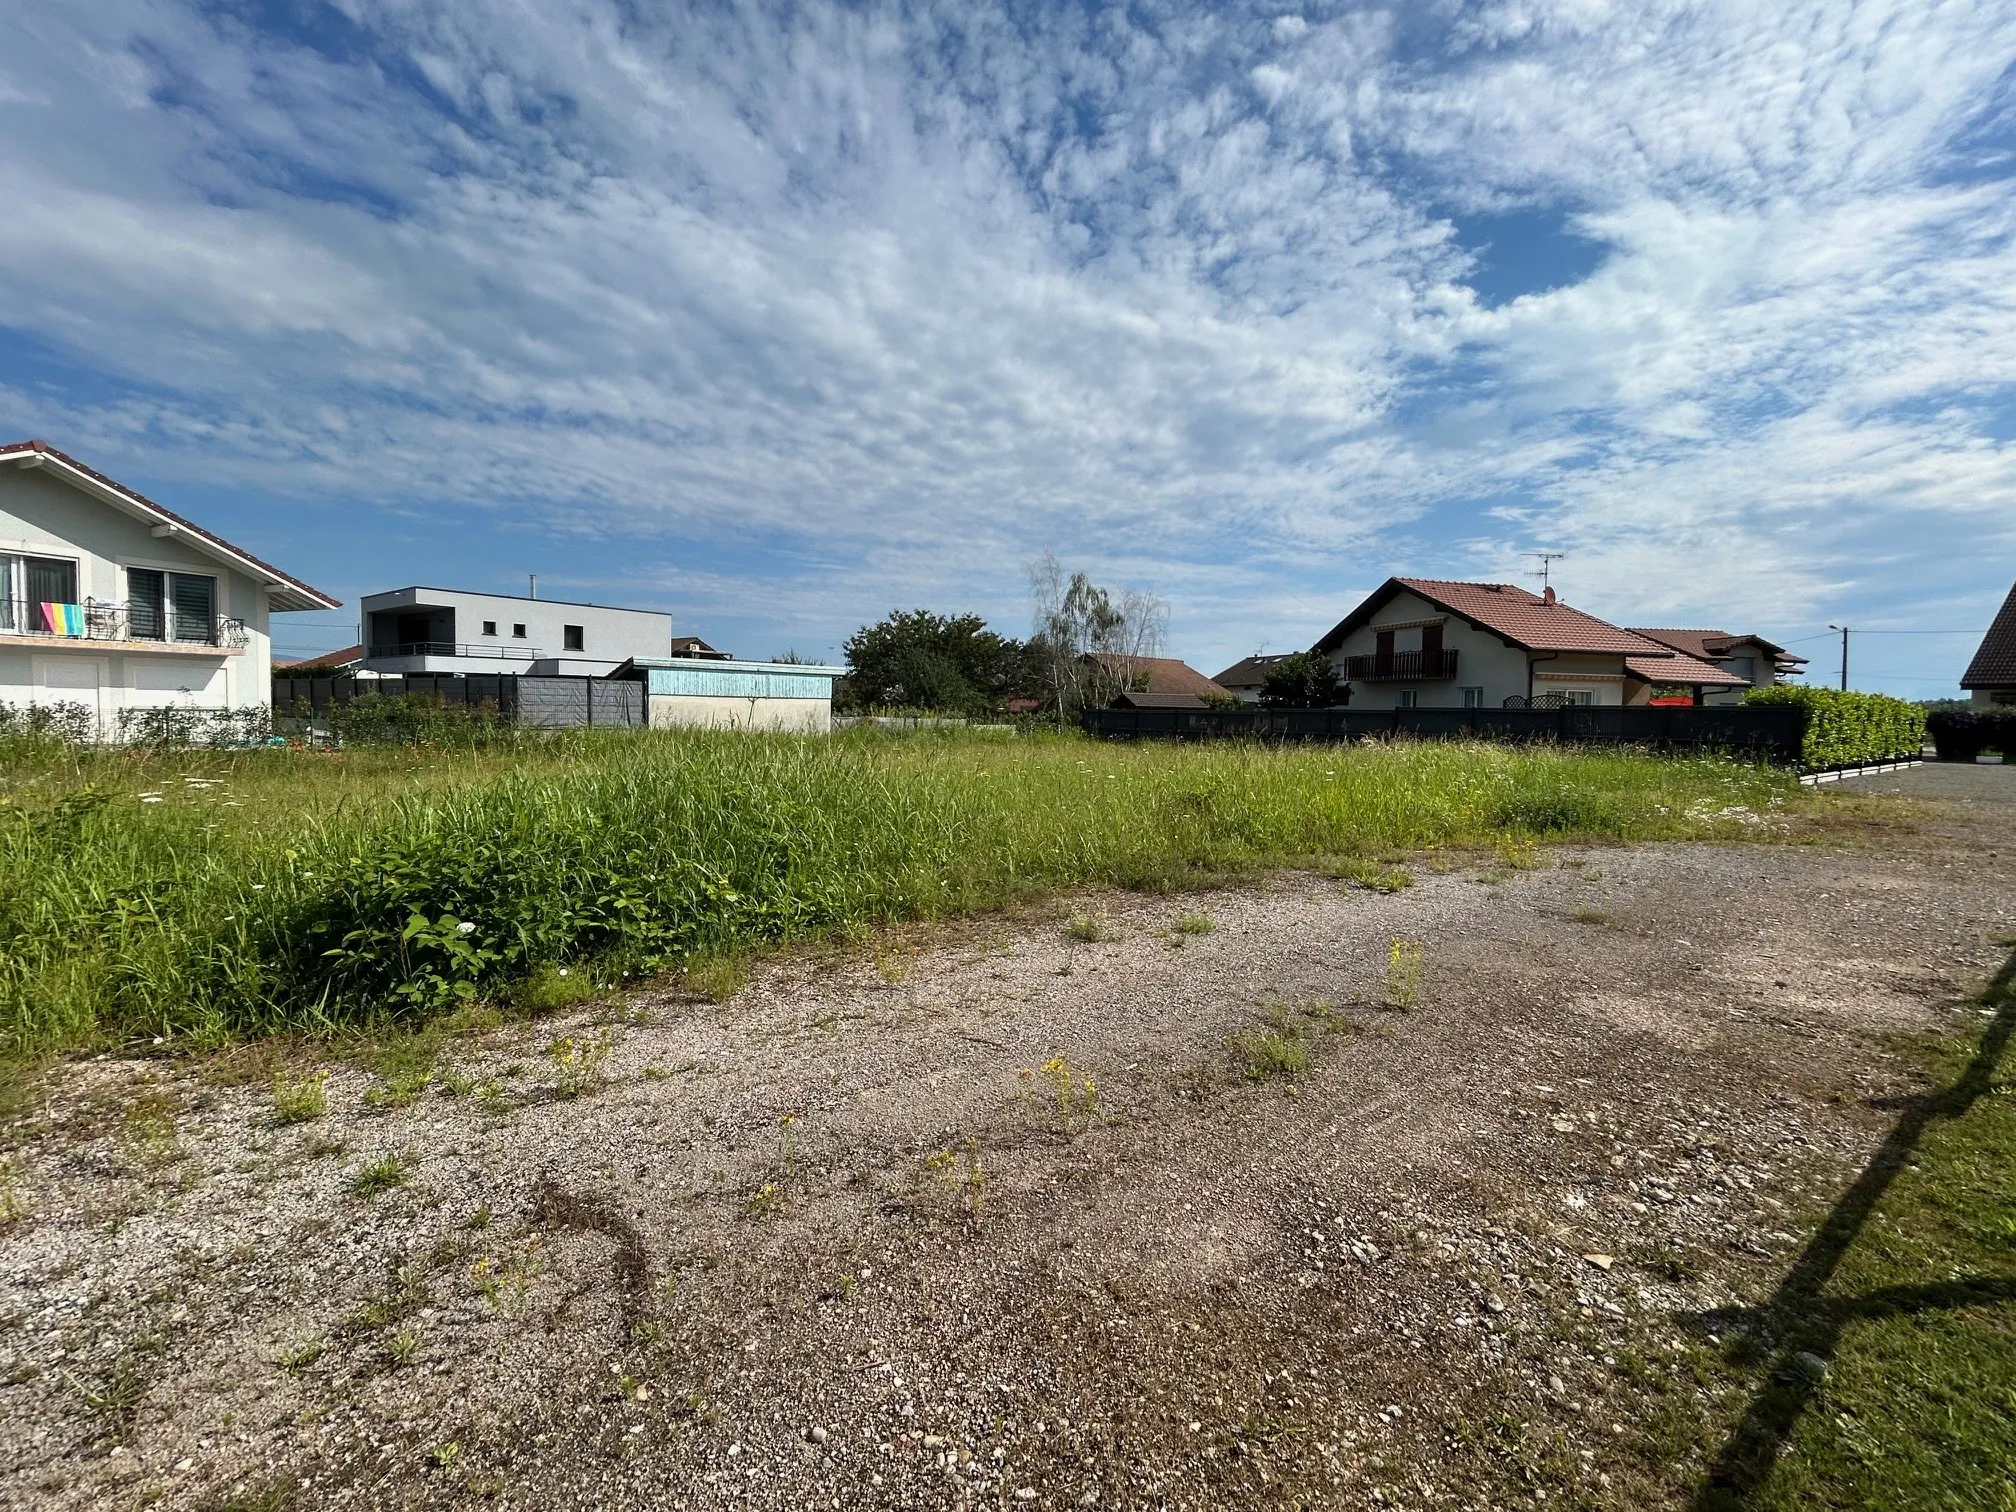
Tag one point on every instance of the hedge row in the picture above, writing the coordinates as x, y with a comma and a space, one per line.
1962, 734
1849, 729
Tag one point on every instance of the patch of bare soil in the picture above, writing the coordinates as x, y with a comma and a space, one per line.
1001, 1216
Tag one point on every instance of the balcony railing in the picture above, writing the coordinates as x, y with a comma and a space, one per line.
93, 621
1401, 666
452, 648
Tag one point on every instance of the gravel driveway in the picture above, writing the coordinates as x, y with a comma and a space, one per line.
995, 1214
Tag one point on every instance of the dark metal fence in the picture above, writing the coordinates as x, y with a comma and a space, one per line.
1773, 731
549, 702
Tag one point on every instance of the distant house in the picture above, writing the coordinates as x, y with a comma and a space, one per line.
1991, 676
322, 664
1431, 643
1245, 678
408, 630
111, 602
693, 646
1746, 661
1157, 682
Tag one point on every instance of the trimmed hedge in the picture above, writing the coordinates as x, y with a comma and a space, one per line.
1849, 729
1963, 734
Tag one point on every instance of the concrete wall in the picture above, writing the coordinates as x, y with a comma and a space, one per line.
798, 716
1994, 698
610, 636
41, 515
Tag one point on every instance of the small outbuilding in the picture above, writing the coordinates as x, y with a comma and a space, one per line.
715, 692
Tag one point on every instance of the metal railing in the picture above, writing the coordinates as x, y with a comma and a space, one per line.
94, 621
1401, 666
453, 648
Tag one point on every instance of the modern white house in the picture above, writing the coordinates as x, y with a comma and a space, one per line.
111, 602
1431, 644
408, 630
795, 697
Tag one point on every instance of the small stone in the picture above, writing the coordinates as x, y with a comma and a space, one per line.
1810, 1365
1196, 1427
1494, 1303
1554, 1384
817, 1434
1025, 1493
1564, 1126
933, 1441
1601, 1262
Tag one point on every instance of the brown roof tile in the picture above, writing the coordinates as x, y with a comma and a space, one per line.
1682, 670
1994, 664
1709, 644
1525, 619
1251, 672
1164, 674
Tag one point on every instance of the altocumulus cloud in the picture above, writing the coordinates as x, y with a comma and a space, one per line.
824, 309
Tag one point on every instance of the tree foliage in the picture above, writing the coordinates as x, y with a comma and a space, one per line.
1849, 729
914, 659
1302, 680
1086, 638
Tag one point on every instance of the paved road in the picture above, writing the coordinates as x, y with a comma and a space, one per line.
1942, 779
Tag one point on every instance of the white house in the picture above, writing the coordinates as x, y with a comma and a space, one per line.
1431, 644
109, 601
447, 630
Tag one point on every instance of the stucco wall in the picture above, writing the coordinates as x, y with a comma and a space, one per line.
41, 515
801, 716
1482, 660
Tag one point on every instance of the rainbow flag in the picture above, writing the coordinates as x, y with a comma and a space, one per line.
64, 619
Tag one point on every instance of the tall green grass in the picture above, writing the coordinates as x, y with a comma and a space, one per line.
305, 891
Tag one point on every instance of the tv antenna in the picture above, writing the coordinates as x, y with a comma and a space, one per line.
1547, 559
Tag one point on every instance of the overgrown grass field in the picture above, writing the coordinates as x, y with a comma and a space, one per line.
207, 896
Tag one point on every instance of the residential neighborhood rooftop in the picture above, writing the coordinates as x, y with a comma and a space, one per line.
1522, 619
287, 592
1994, 663
1709, 644
1160, 674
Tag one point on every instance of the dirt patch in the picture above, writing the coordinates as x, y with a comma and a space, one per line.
1001, 1217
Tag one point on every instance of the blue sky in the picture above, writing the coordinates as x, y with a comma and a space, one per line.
782, 317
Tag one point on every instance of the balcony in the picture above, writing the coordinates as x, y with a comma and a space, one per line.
112, 625
1401, 666
454, 648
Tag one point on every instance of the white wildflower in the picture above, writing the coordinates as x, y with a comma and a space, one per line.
465, 928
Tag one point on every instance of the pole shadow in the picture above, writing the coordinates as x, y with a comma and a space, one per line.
1794, 1332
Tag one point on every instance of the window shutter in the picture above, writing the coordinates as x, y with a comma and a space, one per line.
144, 603
190, 601
51, 581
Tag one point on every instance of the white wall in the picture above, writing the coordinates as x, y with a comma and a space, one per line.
41, 515
801, 716
609, 636
1482, 659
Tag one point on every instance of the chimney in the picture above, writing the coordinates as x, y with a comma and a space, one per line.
1547, 594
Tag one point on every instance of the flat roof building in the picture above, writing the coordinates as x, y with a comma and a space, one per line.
408, 630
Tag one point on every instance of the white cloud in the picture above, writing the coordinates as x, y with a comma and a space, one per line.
910, 293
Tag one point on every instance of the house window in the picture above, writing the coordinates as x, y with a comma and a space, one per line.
517, 632
489, 627
1405, 698
29, 582
1744, 667
570, 637
171, 606
1473, 698
1579, 698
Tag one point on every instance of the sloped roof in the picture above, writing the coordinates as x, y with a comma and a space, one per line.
349, 656
1709, 644
692, 645
1158, 701
1523, 619
1249, 672
285, 592
1164, 674
1994, 664
1681, 670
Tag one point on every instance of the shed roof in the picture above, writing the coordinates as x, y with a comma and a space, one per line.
285, 591
1994, 664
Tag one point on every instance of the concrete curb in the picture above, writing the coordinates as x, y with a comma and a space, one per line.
1814, 779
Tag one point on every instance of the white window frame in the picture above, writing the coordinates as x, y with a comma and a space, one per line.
1473, 698
1406, 698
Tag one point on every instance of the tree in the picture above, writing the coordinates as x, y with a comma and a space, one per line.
919, 660
1302, 680
1077, 624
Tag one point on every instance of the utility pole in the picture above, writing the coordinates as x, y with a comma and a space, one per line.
1844, 654
1547, 559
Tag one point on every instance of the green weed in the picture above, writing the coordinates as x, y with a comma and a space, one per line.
379, 1176
1276, 1048
1194, 924
719, 979
296, 1099
1088, 929
1403, 974
577, 1060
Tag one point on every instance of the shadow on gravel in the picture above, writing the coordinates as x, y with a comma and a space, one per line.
1794, 1333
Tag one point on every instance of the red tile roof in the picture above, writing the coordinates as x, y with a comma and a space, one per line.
1994, 664
1709, 644
1683, 671
291, 592
1524, 619
349, 656
1163, 674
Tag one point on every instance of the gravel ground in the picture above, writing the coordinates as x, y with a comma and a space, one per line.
995, 1215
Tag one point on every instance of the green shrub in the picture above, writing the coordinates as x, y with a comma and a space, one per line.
1963, 734
419, 719
1849, 729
